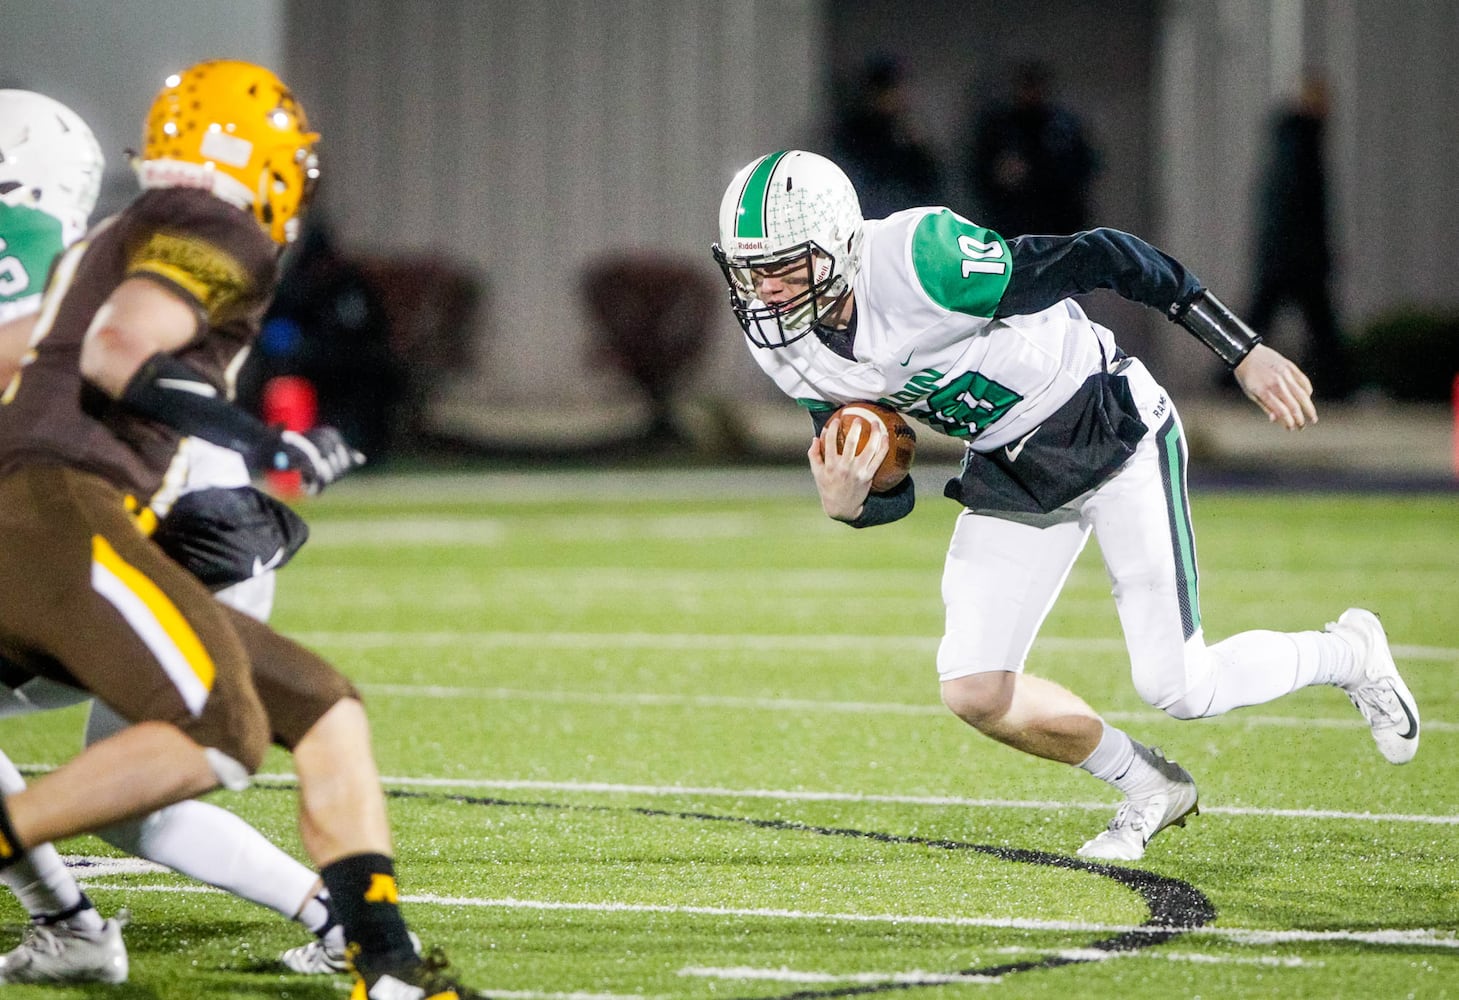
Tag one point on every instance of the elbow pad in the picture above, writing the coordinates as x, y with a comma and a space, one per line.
170, 392
1208, 319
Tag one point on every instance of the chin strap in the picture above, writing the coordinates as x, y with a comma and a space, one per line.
1216, 326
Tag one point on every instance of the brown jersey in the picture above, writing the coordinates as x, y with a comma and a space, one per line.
214, 255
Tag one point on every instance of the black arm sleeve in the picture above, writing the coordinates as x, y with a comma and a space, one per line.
884, 508
1047, 269
170, 392
879, 508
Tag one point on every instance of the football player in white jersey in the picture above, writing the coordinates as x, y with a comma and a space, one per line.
977, 337
50, 176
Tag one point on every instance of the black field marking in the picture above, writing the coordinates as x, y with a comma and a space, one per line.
1175, 906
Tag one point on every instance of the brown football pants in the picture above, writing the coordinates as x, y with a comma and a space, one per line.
87, 599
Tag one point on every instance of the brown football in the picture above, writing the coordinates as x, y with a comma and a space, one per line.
903, 438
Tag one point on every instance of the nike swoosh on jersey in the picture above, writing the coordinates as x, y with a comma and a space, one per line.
260, 567
1014, 450
904, 364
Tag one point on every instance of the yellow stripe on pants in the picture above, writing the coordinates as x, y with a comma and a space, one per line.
156, 621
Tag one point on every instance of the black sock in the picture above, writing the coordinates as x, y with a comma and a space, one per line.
363, 895
11, 850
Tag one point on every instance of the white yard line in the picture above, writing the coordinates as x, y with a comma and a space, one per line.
743, 973
791, 795
674, 641
786, 975
448, 692
1406, 937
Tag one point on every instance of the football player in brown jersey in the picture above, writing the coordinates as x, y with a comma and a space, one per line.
144, 326
227, 533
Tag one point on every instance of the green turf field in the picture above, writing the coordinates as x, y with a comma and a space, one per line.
679, 737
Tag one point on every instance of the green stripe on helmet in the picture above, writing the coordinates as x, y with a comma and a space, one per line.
751, 217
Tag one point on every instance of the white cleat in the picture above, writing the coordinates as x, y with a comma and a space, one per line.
1140, 818
316, 959
1379, 693
327, 955
58, 954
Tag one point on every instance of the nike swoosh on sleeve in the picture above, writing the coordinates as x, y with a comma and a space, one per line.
1014, 450
187, 385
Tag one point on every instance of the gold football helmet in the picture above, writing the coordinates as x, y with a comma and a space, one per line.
235, 129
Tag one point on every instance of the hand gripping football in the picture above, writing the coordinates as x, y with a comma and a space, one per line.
903, 440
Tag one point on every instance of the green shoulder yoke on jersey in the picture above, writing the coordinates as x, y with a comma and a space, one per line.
962, 267
29, 241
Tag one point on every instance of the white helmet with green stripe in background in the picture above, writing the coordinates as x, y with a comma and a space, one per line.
49, 160
790, 217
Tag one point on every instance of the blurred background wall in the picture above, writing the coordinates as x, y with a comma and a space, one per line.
105, 59
523, 141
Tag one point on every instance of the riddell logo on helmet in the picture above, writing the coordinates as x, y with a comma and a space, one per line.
746, 245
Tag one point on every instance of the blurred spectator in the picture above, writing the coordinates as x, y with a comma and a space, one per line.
327, 325
1030, 163
1293, 264
877, 147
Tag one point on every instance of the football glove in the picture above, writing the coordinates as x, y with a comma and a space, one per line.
320, 456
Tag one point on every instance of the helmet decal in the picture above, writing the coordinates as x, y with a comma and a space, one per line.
750, 221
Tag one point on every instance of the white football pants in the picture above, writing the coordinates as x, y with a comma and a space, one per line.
1002, 576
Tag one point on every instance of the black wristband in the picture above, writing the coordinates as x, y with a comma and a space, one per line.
884, 508
1208, 319
170, 392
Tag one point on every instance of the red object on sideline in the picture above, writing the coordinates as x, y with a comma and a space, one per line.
290, 402
1455, 402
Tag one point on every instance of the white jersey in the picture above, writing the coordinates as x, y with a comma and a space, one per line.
926, 343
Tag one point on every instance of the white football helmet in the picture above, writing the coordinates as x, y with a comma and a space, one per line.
49, 160
785, 211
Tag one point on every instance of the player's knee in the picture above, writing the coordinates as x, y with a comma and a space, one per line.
1184, 709
980, 699
235, 741
1183, 693
1174, 697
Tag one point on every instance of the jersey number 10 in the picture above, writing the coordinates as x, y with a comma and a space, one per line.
977, 257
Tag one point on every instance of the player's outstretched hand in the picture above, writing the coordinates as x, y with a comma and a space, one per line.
1278, 386
842, 476
321, 455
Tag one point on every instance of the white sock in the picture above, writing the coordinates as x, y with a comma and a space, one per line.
1338, 661
214, 846
40, 881
315, 915
1122, 762
1253, 668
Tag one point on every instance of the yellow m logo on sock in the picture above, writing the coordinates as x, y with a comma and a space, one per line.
382, 890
